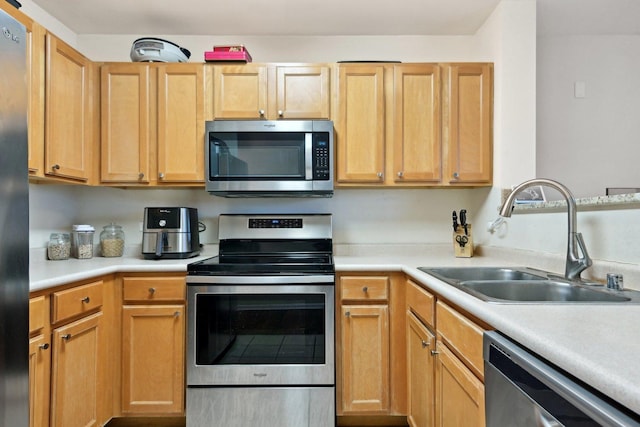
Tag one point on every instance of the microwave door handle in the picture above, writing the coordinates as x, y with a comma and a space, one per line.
308, 156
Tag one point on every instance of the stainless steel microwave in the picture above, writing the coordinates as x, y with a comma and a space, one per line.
262, 158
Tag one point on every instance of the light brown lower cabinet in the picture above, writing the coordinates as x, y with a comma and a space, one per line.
39, 362
77, 374
459, 393
153, 345
365, 358
459, 369
421, 342
153, 359
111, 346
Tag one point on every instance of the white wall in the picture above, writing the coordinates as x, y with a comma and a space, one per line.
593, 142
360, 216
381, 216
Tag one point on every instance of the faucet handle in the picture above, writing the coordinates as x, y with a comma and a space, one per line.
585, 260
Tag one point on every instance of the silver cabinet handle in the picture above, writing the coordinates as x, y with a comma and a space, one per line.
152, 291
425, 344
261, 112
55, 167
44, 346
141, 175
380, 175
400, 174
161, 175
348, 314
365, 289
435, 352
456, 175
176, 314
66, 337
280, 113
86, 300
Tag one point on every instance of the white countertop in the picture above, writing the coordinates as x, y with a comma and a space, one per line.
598, 344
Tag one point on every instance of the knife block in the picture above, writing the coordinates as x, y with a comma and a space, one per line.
463, 243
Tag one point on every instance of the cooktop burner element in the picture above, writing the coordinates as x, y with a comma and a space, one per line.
271, 245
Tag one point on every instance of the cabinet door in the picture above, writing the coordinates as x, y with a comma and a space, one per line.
68, 135
420, 373
240, 91
153, 359
181, 123
35, 87
302, 92
417, 154
459, 393
39, 377
365, 358
125, 129
469, 123
360, 127
77, 377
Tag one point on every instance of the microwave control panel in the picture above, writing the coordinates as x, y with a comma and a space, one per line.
321, 156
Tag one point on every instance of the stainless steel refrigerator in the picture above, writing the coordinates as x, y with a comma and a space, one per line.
14, 226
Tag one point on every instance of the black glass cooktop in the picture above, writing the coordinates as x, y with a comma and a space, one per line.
263, 264
268, 257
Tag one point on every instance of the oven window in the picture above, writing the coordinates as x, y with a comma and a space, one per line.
250, 329
257, 155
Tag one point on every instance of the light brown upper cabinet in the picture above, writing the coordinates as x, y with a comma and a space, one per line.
468, 123
70, 123
360, 124
417, 148
152, 124
388, 124
271, 91
35, 86
413, 124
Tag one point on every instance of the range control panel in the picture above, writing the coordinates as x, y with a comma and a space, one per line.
275, 222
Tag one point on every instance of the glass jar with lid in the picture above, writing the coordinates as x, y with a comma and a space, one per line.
59, 246
112, 240
82, 241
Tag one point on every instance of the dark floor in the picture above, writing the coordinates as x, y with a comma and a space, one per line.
170, 422
147, 422
180, 422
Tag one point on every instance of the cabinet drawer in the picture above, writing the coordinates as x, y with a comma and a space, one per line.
462, 335
421, 303
36, 314
364, 288
78, 300
154, 288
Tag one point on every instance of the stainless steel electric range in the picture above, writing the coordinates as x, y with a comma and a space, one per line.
260, 346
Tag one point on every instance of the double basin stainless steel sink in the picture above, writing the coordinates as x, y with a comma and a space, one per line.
526, 285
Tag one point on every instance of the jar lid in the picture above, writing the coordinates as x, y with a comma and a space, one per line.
112, 225
83, 227
59, 235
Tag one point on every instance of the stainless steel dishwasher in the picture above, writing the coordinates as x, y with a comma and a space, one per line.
523, 390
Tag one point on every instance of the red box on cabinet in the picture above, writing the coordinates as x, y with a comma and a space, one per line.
228, 53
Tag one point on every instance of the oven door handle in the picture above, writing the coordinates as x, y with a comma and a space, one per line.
262, 280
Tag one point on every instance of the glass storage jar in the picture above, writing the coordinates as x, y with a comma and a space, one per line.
59, 246
82, 241
112, 240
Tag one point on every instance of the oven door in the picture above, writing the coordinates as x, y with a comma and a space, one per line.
260, 331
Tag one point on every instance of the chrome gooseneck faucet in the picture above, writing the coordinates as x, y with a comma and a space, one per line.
575, 264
